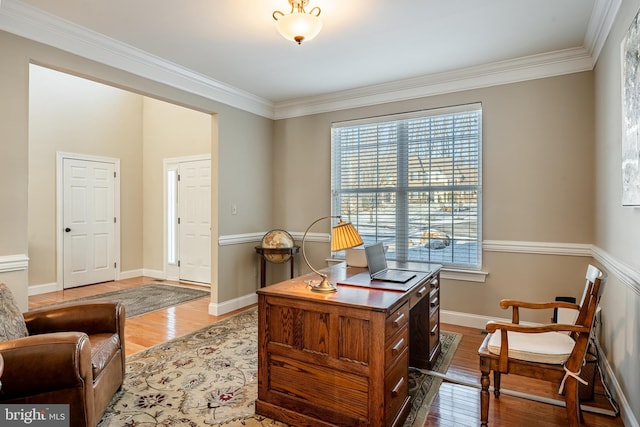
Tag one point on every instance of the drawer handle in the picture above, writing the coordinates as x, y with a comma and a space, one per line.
422, 291
434, 302
396, 322
396, 348
396, 390
434, 330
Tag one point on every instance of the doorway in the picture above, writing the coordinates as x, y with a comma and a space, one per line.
188, 219
70, 114
88, 227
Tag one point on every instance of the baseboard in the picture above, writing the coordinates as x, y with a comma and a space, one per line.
626, 413
130, 274
231, 305
43, 288
467, 319
53, 287
156, 274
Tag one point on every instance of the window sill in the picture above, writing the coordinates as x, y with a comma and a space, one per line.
464, 275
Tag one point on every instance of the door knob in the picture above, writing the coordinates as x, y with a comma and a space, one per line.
67, 229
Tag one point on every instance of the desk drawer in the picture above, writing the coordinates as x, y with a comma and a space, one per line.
434, 332
396, 387
422, 292
434, 301
395, 347
396, 321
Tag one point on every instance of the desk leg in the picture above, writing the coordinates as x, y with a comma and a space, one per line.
263, 271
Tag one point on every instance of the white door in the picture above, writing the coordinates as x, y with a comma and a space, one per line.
88, 221
194, 198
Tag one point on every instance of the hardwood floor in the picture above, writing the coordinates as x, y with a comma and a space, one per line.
456, 405
459, 405
149, 329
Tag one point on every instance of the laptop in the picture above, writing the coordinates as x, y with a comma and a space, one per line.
377, 265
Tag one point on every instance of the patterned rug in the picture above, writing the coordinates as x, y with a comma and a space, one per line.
209, 378
147, 298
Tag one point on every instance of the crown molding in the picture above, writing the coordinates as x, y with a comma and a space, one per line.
511, 71
26, 21
602, 19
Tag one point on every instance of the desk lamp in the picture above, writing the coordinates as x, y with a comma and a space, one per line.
343, 236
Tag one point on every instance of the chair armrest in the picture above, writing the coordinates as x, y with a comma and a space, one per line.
88, 317
506, 303
516, 305
42, 363
492, 326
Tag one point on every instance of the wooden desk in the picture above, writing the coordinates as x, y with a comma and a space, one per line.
342, 359
274, 251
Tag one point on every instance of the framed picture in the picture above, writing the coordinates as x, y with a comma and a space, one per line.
630, 52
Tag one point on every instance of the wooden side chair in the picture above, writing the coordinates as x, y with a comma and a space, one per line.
554, 352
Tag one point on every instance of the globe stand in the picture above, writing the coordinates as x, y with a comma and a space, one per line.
277, 248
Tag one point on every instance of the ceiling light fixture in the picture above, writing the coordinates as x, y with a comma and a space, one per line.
298, 25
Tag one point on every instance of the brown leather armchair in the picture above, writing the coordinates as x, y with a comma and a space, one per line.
74, 354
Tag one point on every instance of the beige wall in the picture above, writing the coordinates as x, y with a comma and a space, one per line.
617, 228
73, 115
244, 140
537, 183
246, 169
13, 162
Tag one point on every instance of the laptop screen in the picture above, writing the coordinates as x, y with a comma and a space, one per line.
376, 259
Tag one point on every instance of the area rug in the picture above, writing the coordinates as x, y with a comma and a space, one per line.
148, 298
206, 378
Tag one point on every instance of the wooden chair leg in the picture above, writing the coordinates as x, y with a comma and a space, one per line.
572, 401
484, 398
496, 384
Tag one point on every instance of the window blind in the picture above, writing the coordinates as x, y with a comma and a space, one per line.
414, 182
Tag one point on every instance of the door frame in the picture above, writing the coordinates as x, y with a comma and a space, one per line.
60, 157
172, 271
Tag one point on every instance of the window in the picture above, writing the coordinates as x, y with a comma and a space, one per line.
414, 182
172, 216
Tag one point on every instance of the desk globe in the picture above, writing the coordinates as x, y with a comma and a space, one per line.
277, 239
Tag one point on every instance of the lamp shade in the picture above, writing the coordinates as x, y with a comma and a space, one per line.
299, 26
344, 236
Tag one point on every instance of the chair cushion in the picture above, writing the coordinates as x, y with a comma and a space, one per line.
103, 348
12, 324
547, 347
